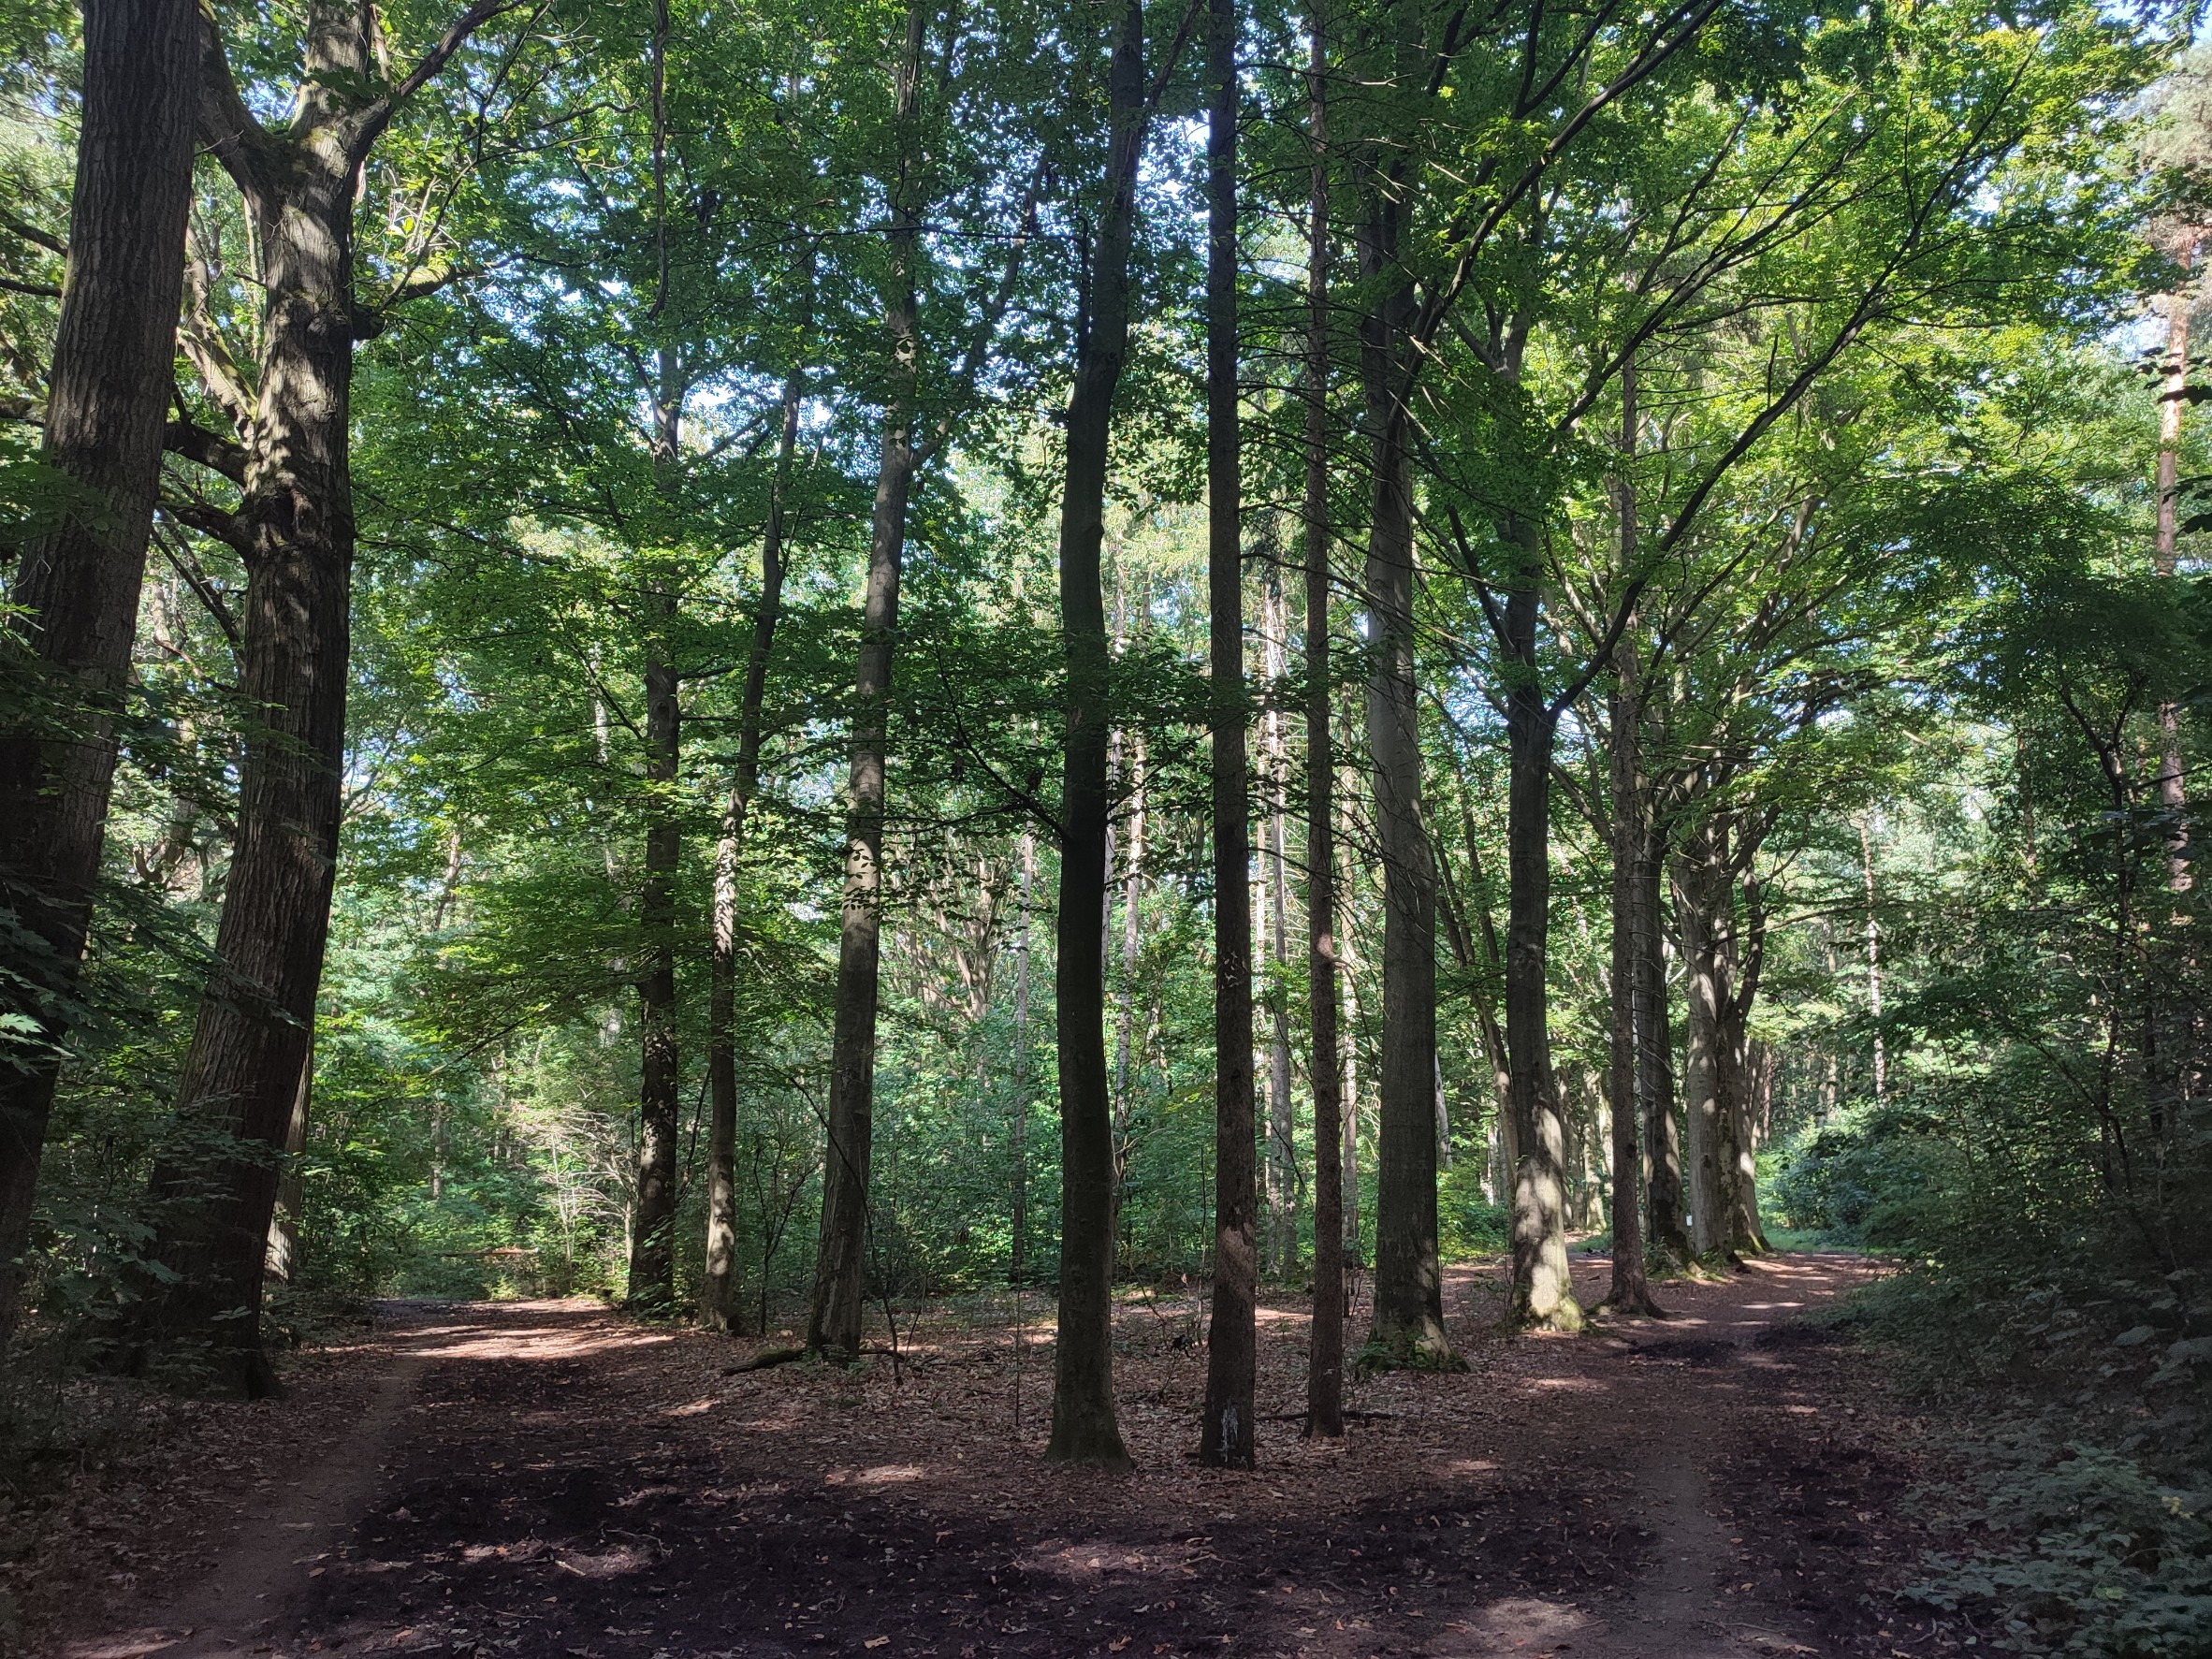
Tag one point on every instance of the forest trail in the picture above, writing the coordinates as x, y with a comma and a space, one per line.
549, 1478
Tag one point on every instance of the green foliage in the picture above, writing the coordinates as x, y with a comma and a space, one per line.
2102, 1558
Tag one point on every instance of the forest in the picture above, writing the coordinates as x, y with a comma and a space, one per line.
1343, 721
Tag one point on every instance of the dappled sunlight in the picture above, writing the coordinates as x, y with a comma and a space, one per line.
545, 1342
882, 1475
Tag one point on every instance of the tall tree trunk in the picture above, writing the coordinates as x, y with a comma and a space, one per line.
1324, 1375
652, 1237
841, 1263
1226, 1434
1543, 1286
651, 1286
1630, 1292
1084, 1430
1282, 1144
76, 591
1348, 982
1743, 955
216, 1188
1703, 988
1866, 856
1018, 1251
1133, 936
2173, 403
1408, 1277
718, 1294
1662, 1150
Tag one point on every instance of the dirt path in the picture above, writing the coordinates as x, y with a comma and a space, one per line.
547, 1479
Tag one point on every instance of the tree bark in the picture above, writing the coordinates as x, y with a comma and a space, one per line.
1282, 1130
1630, 1292
651, 1288
1866, 856
841, 1263
2172, 404
1226, 1433
1324, 1375
1018, 1247
1543, 1286
1743, 955
283, 1260
718, 1291
1702, 1080
77, 588
1348, 982
1663, 1149
1408, 1278
215, 1186
1084, 1430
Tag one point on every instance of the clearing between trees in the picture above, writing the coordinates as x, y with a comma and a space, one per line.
549, 1479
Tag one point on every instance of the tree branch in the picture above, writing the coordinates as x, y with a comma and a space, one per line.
31, 233
370, 123
226, 126
209, 449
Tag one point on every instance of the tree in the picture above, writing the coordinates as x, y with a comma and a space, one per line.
1084, 1430
75, 599
841, 1263
1324, 1407
294, 527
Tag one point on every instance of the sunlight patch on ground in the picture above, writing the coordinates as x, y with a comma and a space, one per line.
545, 1342
1571, 1384
609, 1564
1517, 1625
882, 1475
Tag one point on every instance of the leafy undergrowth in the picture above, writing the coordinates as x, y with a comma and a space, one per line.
2086, 1554
2081, 1522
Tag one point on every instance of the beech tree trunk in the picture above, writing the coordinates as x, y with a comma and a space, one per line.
2172, 404
1743, 953
1018, 1249
1703, 1083
1084, 1430
77, 590
1663, 1148
1226, 1435
840, 1262
1408, 1278
652, 1237
718, 1290
1324, 1375
1543, 1286
1630, 1292
1866, 854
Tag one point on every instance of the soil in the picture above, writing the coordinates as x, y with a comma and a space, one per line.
550, 1478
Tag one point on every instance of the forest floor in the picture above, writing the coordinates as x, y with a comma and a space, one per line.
550, 1478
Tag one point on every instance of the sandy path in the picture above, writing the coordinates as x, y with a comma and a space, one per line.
547, 1478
